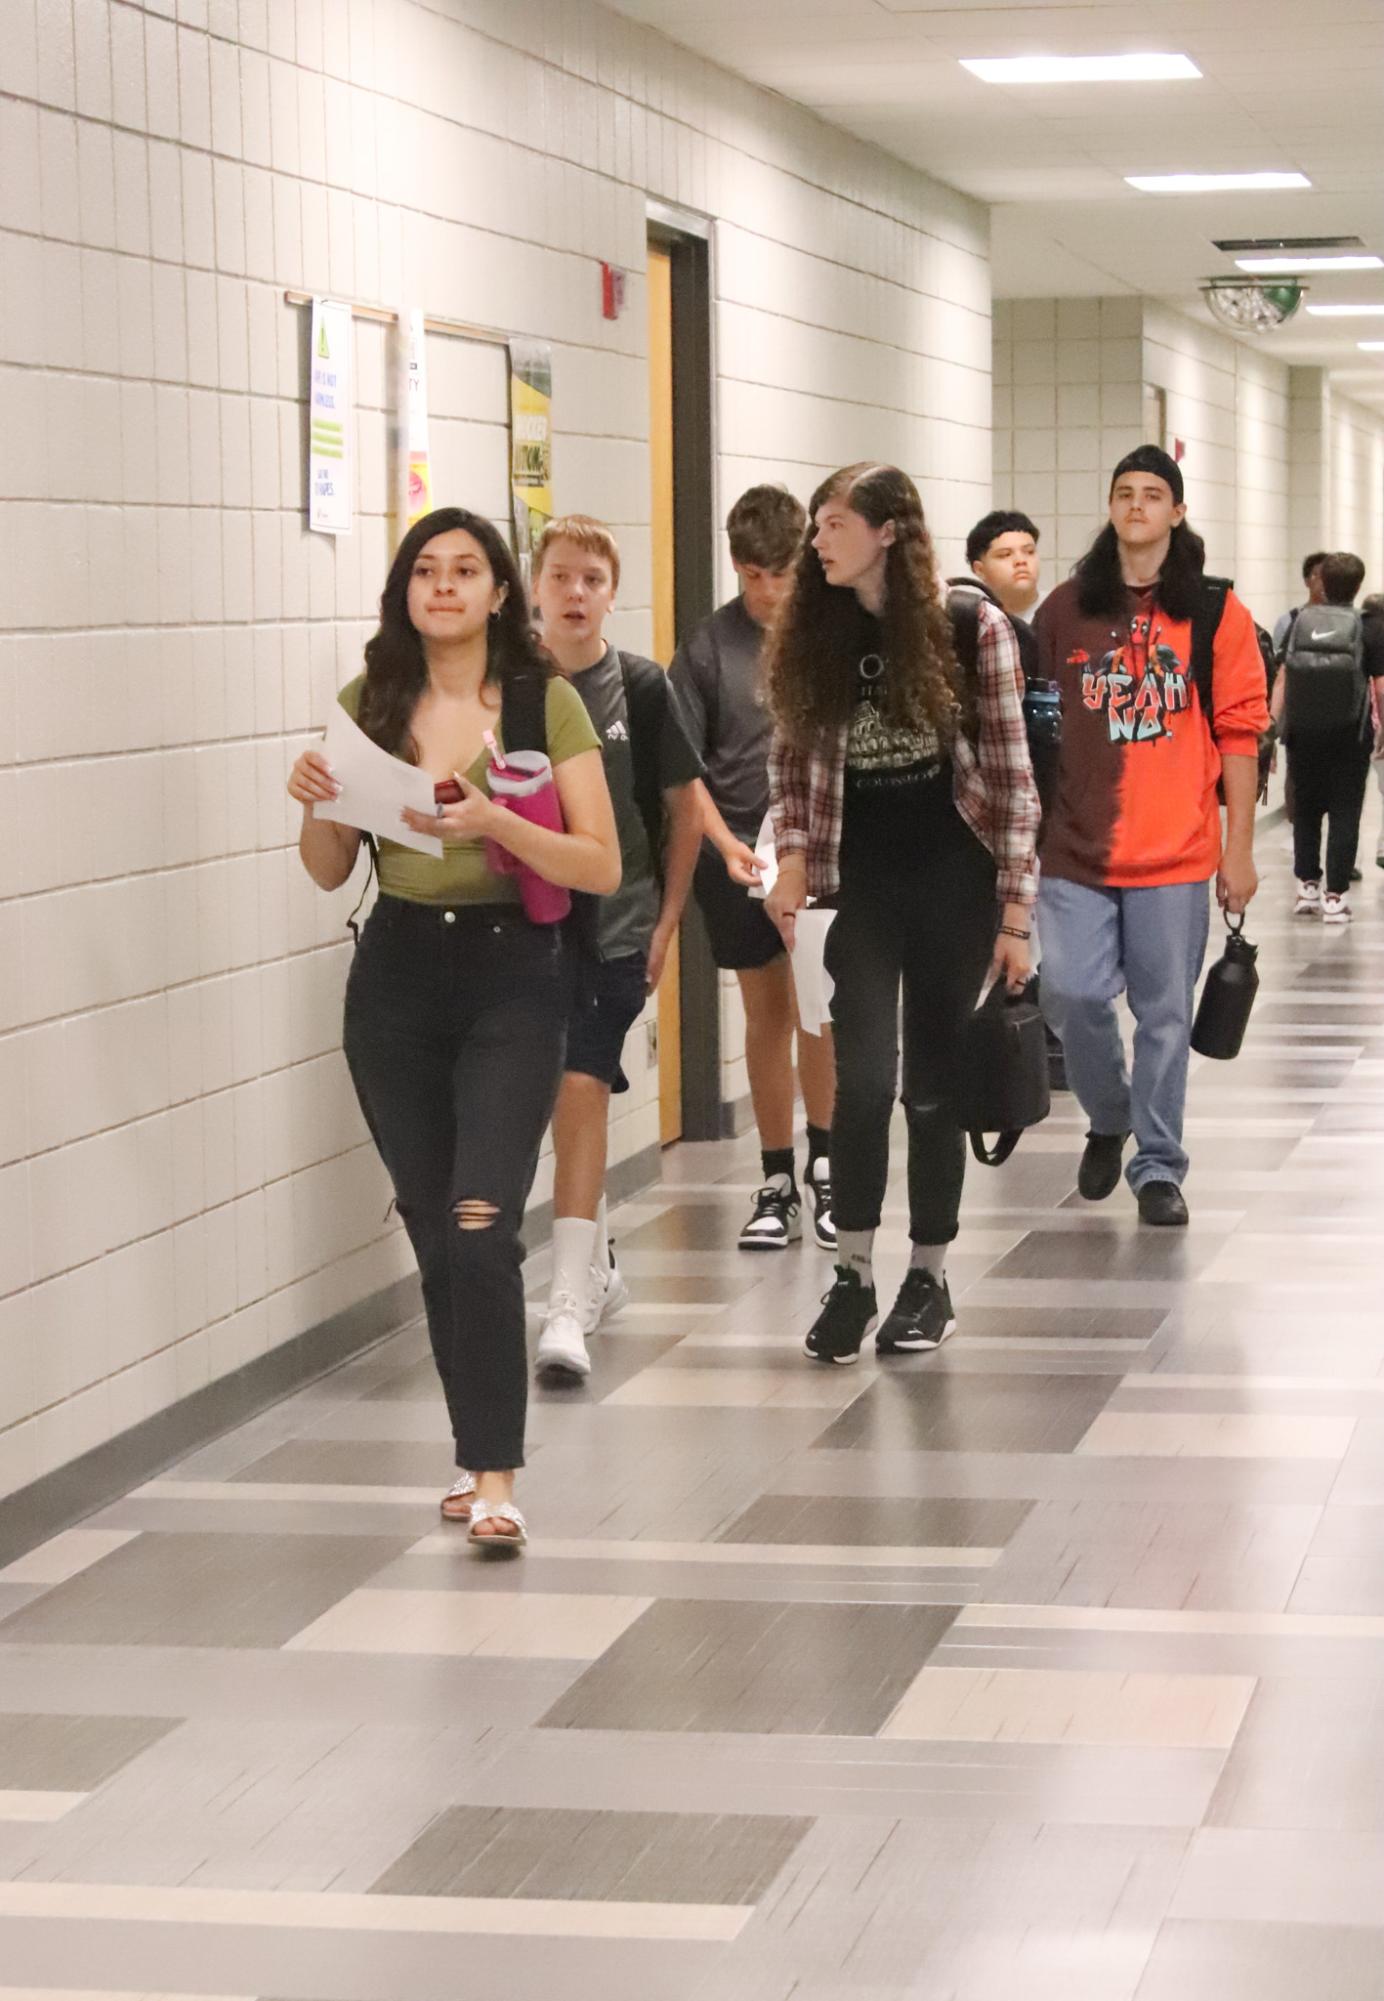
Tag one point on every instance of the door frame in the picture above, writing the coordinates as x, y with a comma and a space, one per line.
689, 240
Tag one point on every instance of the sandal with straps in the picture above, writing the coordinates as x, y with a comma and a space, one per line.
458, 1501
510, 1539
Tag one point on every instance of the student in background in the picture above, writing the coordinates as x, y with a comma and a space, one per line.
618, 947
1326, 698
1004, 566
716, 676
1311, 577
905, 794
455, 1004
1373, 607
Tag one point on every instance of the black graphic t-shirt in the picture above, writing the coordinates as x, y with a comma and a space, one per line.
898, 781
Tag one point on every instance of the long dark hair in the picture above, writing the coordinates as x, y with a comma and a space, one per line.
817, 640
396, 668
1103, 593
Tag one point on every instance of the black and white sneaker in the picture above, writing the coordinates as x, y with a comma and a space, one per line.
922, 1316
777, 1220
848, 1314
819, 1189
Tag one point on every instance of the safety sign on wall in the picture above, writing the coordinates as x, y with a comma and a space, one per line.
329, 412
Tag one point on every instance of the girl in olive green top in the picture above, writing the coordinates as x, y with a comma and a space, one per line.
455, 1004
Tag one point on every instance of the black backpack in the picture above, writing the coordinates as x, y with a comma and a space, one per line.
1206, 623
1042, 700
1324, 683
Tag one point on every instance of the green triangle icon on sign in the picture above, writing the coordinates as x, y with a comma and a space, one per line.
324, 353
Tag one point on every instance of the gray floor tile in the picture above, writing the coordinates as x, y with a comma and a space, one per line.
808, 1670
943, 1412
351, 1462
673, 1858
808, 1518
72, 1753
201, 1591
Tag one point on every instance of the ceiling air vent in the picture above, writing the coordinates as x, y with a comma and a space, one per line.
1242, 245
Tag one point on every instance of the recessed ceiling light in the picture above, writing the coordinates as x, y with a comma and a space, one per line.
1080, 69
1210, 184
1267, 266
1346, 312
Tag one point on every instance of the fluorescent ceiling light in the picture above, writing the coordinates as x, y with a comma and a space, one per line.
1080, 69
1210, 184
1267, 266
1347, 312
1371, 346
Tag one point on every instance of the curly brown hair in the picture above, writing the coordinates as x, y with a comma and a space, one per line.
823, 629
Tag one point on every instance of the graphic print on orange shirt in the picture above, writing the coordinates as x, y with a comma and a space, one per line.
1138, 686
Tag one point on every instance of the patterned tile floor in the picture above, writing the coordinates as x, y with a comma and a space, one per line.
1050, 1666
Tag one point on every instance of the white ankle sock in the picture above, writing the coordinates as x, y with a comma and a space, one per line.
929, 1257
855, 1249
574, 1239
600, 1254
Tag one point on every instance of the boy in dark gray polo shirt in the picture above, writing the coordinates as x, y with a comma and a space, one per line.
618, 943
715, 675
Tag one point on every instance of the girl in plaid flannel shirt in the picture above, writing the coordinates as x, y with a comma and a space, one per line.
906, 798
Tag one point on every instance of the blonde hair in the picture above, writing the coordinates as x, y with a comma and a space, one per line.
590, 535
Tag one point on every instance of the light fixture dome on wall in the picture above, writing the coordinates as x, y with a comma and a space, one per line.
1248, 306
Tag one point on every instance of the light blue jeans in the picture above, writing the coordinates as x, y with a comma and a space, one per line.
1150, 944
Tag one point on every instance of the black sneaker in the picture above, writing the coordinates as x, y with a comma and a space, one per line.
1099, 1175
777, 1220
1162, 1204
819, 1188
848, 1315
922, 1317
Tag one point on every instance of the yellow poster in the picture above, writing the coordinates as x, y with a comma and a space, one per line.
531, 443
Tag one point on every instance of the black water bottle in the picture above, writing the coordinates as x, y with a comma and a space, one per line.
1227, 997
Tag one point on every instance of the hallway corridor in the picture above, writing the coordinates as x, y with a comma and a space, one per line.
1049, 1666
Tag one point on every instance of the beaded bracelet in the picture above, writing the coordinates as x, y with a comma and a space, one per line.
1012, 931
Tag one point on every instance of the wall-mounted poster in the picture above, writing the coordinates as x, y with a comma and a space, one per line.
419, 462
329, 410
531, 436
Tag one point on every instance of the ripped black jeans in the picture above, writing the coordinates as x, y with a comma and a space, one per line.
455, 1032
924, 926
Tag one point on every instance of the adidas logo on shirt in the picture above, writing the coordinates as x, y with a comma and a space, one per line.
617, 733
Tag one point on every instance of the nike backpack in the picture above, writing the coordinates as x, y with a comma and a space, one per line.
1325, 688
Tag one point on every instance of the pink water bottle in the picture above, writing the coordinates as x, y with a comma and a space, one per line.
522, 782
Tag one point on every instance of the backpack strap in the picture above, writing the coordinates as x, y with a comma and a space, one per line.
998, 1154
1206, 623
646, 696
963, 608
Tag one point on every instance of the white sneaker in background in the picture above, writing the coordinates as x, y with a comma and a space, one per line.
1335, 910
562, 1358
610, 1293
1309, 900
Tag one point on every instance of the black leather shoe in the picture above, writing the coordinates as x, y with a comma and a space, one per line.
1100, 1166
1161, 1203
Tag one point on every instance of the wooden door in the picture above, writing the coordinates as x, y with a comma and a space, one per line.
661, 518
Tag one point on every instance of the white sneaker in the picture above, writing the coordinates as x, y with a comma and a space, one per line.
562, 1358
1309, 900
1335, 910
610, 1294
777, 1218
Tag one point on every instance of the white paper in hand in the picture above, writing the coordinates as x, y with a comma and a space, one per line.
812, 982
766, 855
375, 787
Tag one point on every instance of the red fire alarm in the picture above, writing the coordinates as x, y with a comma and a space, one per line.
1179, 451
612, 291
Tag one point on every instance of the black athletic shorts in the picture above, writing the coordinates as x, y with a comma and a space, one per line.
608, 997
742, 937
